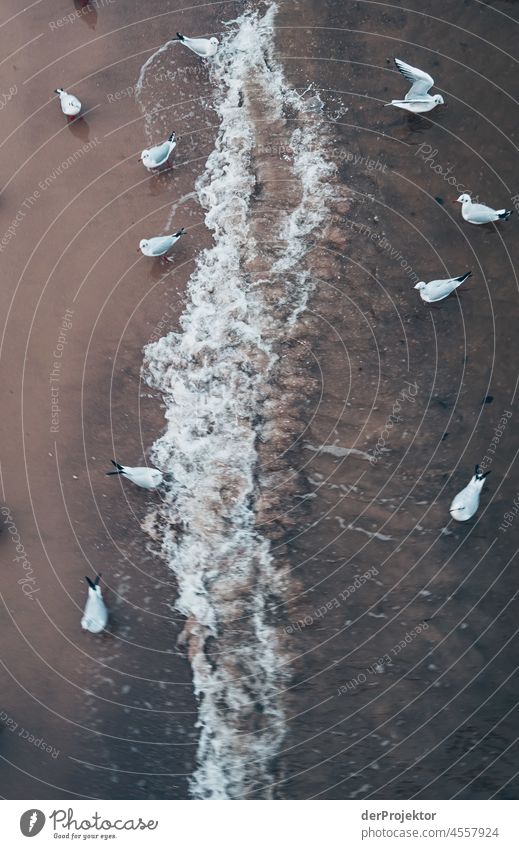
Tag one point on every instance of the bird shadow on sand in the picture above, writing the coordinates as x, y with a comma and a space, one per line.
411, 129
417, 123
159, 270
159, 182
80, 128
87, 13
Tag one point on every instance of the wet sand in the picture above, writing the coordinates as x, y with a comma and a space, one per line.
438, 719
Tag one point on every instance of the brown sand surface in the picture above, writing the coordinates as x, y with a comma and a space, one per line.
117, 713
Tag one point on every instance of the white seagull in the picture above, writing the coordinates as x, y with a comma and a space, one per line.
160, 245
437, 290
159, 155
417, 99
142, 476
95, 615
70, 105
203, 47
478, 213
466, 502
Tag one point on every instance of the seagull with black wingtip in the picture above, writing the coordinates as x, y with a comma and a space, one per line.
466, 502
417, 99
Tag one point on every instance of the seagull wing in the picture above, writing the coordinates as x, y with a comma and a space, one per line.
95, 616
438, 289
199, 46
420, 81
160, 245
482, 213
159, 153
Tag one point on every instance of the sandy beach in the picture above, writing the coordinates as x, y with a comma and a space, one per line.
399, 625
80, 304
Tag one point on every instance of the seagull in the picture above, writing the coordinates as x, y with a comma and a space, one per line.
417, 98
159, 155
160, 245
70, 105
466, 502
141, 476
478, 213
203, 47
437, 290
95, 615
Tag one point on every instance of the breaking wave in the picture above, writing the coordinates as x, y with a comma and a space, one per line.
228, 378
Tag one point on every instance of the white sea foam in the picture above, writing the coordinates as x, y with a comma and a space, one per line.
212, 375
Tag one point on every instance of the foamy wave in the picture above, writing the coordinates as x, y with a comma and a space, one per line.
214, 377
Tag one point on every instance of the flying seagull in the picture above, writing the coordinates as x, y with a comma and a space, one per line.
95, 615
160, 245
70, 105
478, 213
466, 502
142, 476
203, 47
417, 99
437, 290
158, 155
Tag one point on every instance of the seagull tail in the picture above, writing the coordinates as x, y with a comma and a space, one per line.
479, 474
171, 137
504, 214
180, 36
118, 469
91, 583
463, 277
179, 233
